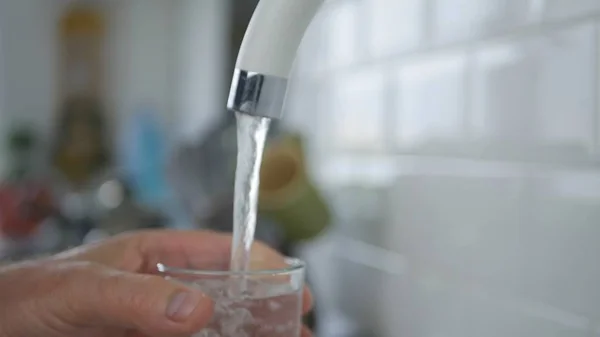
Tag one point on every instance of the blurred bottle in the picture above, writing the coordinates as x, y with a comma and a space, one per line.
82, 162
23, 208
144, 157
82, 33
25, 202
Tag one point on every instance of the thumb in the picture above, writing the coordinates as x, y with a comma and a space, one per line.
150, 304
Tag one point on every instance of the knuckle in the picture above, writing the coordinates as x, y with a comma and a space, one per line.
76, 279
137, 236
128, 293
127, 236
97, 285
76, 275
57, 300
110, 287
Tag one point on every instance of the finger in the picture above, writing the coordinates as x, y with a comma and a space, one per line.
101, 297
135, 334
201, 250
307, 301
207, 250
141, 251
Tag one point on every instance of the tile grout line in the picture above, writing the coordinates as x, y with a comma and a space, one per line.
468, 96
596, 90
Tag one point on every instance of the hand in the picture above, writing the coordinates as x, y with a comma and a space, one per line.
112, 288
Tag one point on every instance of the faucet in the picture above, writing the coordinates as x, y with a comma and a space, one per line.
267, 55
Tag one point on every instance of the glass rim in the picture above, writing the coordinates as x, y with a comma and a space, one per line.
293, 265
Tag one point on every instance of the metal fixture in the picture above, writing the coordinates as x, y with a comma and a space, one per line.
267, 55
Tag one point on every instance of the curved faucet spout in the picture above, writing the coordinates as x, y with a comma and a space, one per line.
267, 55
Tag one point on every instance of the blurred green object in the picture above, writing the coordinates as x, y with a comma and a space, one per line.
21, 142
21, 139
288, 195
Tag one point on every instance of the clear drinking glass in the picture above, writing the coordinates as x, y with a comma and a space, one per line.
257, 303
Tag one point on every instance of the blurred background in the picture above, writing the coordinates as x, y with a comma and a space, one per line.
451, 147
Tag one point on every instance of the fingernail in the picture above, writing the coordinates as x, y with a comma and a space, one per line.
182, 305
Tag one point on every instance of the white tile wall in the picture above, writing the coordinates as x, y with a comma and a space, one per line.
357, 111
563, 9
498, 219
503, 93
343, 25
468, 215
387, 35
435, 85
566, 94
466, 19
531, 87
563, 240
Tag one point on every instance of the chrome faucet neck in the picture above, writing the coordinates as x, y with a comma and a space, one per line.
257, 94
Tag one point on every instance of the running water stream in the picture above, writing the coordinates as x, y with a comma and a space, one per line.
251, 136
